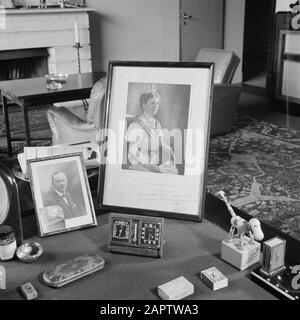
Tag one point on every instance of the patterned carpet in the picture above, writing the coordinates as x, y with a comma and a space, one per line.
258, 166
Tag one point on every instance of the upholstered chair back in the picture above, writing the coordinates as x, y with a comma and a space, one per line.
96, 103
226, 63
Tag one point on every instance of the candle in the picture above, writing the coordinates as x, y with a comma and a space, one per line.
76, 29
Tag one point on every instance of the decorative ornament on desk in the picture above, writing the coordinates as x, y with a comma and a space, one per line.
74, 269
241, 248
29, 252
273, 256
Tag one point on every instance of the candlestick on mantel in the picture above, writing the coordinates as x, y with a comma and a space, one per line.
76, 30
77, 44
78, 47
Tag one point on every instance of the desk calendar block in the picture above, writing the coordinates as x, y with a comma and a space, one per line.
240, 258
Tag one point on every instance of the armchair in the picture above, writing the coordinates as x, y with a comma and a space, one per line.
73, 123
225, 95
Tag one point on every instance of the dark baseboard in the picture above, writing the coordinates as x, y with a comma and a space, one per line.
254, 89
286, 107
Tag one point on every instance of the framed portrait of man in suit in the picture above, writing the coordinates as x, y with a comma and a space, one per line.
61, 193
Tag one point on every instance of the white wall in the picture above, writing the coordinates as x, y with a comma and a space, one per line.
134, 30
234, 31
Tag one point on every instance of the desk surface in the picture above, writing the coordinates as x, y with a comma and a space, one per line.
191, 247
35, 89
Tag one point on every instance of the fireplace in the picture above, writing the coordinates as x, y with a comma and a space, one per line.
32, 36
23, 63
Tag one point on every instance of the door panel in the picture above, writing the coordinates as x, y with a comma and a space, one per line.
259, 15
203, 27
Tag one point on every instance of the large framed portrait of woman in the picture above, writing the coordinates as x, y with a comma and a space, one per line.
156, 133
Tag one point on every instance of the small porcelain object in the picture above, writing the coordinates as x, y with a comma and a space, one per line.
29, 252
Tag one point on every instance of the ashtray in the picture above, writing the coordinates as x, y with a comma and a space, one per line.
54, 86
57, 77
29, 251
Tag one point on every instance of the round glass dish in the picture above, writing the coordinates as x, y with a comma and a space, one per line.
57, 77
29, 251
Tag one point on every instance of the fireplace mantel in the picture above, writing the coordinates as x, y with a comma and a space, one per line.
46, 11
53, 29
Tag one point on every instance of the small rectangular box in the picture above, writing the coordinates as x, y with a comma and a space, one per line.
273, 256
241, 259
29, 292
214, 279
176, 289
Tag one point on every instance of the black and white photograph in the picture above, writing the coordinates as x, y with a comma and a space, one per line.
153, 111
149, 141
61, 193
157, 138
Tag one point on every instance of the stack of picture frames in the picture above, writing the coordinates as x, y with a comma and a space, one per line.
154, 151
157, 127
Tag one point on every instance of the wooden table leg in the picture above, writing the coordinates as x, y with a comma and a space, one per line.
27, 129
6, 118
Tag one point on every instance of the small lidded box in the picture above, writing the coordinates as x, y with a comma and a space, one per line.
214, 279
273, 256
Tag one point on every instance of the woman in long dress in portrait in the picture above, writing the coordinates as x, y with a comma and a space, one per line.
146, 149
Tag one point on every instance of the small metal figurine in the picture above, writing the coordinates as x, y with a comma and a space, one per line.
242, 227
43, 4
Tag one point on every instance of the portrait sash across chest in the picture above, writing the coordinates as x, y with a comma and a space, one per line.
151, 132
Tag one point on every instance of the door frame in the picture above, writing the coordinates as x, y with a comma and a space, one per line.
270, 44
